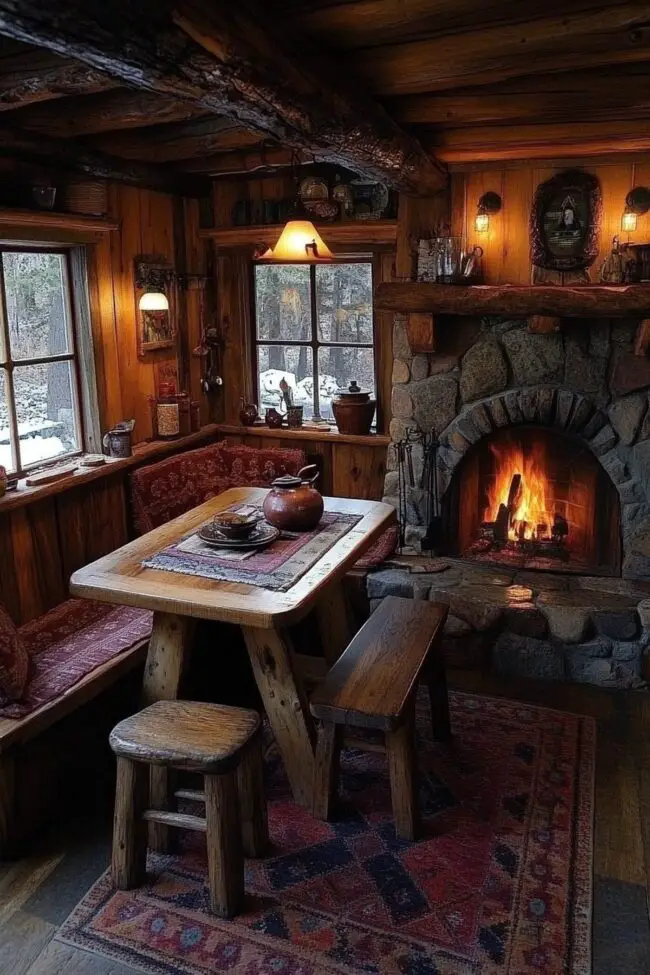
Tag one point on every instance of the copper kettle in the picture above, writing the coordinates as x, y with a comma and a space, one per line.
293, 504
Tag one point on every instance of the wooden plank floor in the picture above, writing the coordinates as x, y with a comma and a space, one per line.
38, 892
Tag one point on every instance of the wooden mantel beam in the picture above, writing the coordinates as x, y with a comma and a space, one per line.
231, 59
67, 154
520, 301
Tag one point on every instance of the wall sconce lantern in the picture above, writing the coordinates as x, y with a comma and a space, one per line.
637, 202
155, 284
488, 204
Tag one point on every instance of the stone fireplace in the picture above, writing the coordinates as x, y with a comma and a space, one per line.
543, 475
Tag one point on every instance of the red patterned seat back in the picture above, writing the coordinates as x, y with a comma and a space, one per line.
162, 491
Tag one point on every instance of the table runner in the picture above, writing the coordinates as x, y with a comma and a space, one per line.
277, 567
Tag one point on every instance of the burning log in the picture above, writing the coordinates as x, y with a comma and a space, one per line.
501, 524
560, 527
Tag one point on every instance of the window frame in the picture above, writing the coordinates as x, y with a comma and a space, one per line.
314, 343
8, 364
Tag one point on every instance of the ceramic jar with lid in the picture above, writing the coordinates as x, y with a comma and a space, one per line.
354, 410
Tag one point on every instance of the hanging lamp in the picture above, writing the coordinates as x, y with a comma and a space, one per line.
299, 242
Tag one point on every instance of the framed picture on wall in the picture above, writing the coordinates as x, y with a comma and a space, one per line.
155, 293
565, 222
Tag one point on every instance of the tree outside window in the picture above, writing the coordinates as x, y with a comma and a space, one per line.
314, 324
39, 394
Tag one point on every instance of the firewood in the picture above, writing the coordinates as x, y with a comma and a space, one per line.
501, 524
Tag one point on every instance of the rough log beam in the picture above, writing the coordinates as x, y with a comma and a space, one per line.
69, 155
520, 301
124, 108
185, 140
29, 78
230, 59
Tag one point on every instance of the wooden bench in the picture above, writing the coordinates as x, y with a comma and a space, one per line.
373, 685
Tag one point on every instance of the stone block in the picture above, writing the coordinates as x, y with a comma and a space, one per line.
615, 466
484, 370
582, 412
629, 651
546, 404
522, 656
538, 581
391, 483
525, 620
631, 372
457, 441
626, 415
636, 567
631, 491
457, 627
563, 406
398, 429
434, 402
534, 358
419, 367
401, 371
587, 670
442, 363
528, 404
621, 624
598, 647
584, 371
481, 418
567, 623
511, 400
467, 427
599, 337
497, 410
389, 582
402, 403
643, 609
401, 346
478, 606
604, 440
641, 463
596, 423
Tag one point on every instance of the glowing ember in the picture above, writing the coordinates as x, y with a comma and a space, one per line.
530, 495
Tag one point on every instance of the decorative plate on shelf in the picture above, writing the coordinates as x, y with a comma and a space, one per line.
313, 188
262, 535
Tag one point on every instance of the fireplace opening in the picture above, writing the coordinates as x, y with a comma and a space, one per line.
536, 499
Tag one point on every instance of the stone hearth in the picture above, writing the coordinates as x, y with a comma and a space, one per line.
531, 624
585, 382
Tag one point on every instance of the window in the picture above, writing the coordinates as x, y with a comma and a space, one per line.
40, 417
314, 326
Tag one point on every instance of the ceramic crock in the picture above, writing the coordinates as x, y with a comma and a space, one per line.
293, 504
353, 411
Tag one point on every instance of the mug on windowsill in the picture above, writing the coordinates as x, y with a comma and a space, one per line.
294, 417
118, 442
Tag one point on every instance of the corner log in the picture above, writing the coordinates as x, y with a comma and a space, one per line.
69, 155
581, 301
231, 59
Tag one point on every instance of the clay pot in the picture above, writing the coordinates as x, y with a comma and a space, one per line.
273, 419
293, 504
353, 411
247, 413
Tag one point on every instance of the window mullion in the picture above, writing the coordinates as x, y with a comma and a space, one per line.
314, 340
9, 377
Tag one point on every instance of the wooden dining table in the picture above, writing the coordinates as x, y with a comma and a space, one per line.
265, 616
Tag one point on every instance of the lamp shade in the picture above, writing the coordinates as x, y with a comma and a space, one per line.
154, 301
299, 243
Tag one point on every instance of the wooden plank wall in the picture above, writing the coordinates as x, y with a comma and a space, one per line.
506, 246
150, 223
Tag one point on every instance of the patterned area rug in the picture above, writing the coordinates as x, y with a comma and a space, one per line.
499, 883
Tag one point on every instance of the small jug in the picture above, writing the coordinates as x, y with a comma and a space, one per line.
293, 504
117, 442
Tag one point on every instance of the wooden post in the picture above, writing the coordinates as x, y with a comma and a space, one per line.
543, 324
224, 844
403, 779
334, 625
326, 768
252, 802
286, 706
129, 859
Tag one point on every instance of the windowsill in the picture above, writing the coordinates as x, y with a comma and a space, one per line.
142, 453
284, 433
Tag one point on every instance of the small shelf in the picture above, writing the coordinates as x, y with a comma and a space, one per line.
354, 232
520, 301
47, 219
302, 433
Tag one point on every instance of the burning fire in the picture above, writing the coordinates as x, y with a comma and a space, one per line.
531, 494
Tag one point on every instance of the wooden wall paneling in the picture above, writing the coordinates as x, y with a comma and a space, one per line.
37, 559
104, 324
518, 191
358, 472
615, 183
9, 588
458, 203
197, 299
93, 522
492, 242
383, 268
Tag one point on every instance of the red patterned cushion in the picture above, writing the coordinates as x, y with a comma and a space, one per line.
68, 643
165, 490
14, 660
382, 549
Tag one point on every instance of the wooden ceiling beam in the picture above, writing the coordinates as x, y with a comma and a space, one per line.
369, 23
231, 59
186, 140
66, 154
39, 76
124, 108
246, 162
616, 34
546, 141
589, 96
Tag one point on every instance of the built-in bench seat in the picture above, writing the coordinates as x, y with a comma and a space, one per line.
75, 652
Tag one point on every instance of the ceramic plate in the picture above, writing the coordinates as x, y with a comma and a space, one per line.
263, 534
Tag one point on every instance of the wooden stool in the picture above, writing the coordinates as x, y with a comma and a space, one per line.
224, 744
373, 684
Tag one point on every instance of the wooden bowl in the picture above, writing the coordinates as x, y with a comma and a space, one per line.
233, 525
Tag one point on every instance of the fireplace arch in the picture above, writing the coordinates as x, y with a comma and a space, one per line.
564, 425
